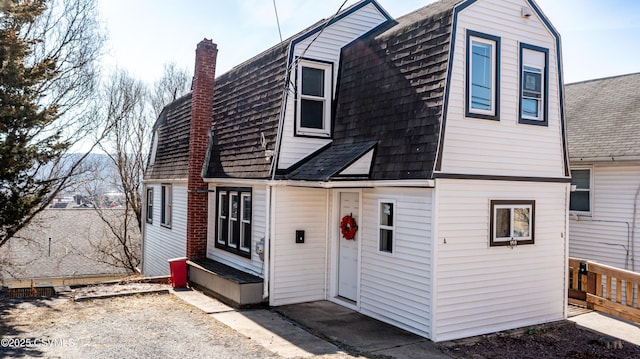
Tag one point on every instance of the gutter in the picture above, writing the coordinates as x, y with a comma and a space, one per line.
604, 159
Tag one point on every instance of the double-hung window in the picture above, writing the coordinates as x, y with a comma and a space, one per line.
233, 229
386, 226
580, 198
534, 75
150, 205
483, 76
165, 201
512, 223
313, 107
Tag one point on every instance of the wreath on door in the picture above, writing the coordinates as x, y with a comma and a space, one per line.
348, 227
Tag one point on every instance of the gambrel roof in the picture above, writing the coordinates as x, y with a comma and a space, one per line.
172, 141
389, 97
390, 91
246, 110
603, 118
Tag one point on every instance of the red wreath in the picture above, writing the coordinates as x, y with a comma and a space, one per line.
348, 227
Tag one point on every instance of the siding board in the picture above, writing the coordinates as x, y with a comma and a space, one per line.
475, 282
162, 243
299, 272
505, 147
604, 236
396, 288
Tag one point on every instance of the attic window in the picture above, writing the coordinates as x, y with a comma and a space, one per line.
313, 107
534, 75
483, 76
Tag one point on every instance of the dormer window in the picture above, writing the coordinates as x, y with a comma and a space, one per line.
314, 83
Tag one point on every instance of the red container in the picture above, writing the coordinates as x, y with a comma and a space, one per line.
178, 268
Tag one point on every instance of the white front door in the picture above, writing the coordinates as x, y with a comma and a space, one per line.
348, 249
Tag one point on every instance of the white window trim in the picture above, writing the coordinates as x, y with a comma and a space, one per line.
391, 228
243, 221
167, 204
328, 95
233, 243
540, 116
149, 209
492, 111
590, 190
221, 216
233, 219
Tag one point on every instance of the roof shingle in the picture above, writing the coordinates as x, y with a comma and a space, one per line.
603, 118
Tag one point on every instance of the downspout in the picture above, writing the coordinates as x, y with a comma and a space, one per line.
633, 230
267, 255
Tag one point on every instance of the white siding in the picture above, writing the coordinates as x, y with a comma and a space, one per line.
160, 242
258, 217
481, 289
325, 47
505, 147
605, 235
360, 167
396, 287
299, 269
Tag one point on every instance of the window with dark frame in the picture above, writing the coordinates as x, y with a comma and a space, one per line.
512, 222
534, 75
233, 225
483, 76
165, 215
386, 226
314, 98
580, 197
150, 205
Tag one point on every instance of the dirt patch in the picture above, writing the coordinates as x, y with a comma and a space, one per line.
558, 340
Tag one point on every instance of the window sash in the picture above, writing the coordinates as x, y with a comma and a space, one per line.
482, 79
165, 217
386, 226
532, 91
482, 76
149, 205
534, 85
314, 100
233, 232
512, 221
580, 198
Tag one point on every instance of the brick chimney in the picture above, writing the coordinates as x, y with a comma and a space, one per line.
201, 121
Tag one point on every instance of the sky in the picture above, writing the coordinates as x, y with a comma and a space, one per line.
600, 38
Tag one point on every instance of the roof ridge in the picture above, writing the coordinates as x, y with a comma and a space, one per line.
603, 78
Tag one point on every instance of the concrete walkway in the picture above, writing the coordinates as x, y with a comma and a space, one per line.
267, 328
609, 325
324, 328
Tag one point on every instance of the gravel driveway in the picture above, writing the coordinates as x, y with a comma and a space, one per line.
149, 326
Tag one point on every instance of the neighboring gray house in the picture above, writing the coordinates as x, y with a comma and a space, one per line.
414, 170
603, 121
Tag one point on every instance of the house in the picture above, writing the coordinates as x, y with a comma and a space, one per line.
414, 170
603, 122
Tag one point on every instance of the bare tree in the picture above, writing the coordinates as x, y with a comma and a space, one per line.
174, 83
129, 112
